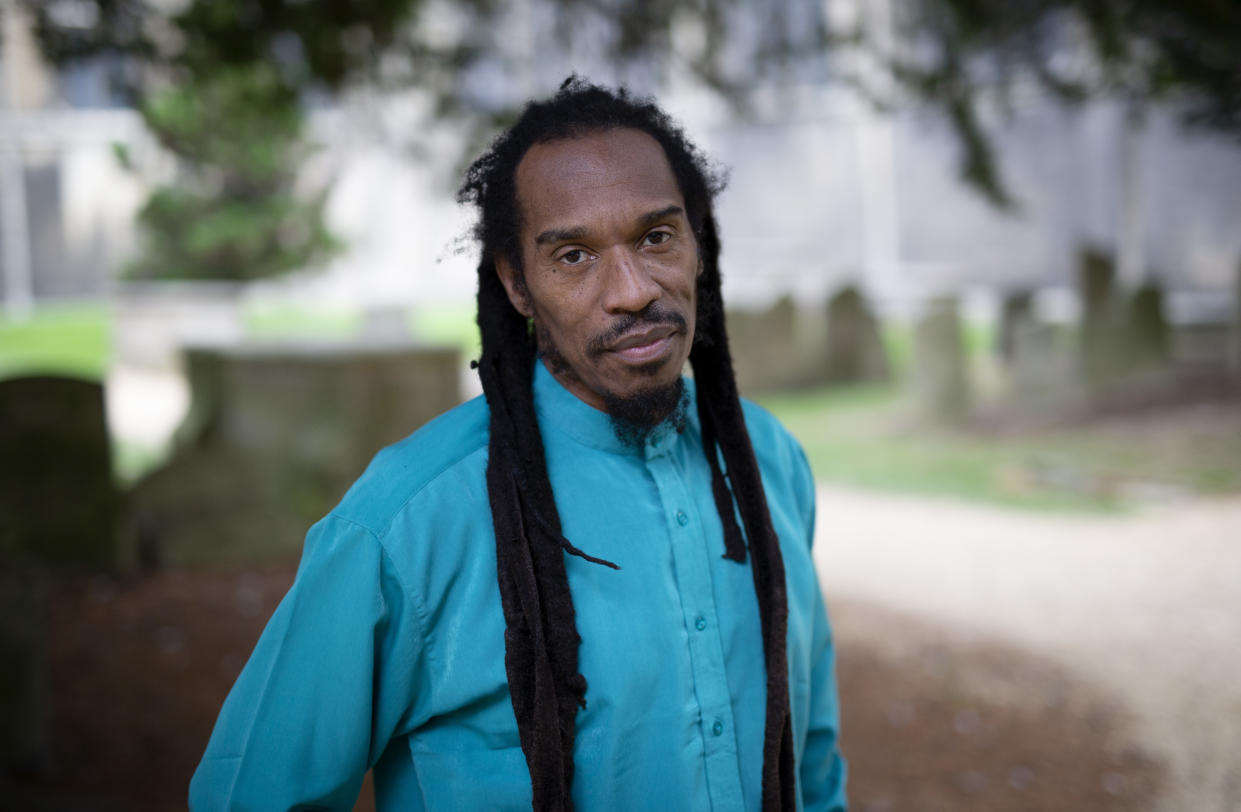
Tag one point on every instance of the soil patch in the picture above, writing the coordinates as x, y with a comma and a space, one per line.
933, 720
140, 667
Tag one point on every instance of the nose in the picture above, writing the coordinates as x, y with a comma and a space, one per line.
629, 285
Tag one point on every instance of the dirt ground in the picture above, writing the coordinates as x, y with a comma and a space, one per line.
1144, 606
140, 666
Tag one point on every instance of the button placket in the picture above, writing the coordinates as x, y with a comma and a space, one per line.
694, 579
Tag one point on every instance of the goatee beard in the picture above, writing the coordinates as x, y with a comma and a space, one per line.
634, 416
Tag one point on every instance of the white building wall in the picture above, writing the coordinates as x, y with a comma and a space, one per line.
822, 193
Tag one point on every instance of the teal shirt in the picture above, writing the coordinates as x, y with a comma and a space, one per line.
388, 651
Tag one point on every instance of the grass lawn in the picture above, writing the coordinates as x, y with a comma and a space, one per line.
62, 340
444, 325
292, 322
865, 437
452, 326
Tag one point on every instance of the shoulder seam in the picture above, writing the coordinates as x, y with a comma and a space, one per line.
420, 612
382, 533
420, 617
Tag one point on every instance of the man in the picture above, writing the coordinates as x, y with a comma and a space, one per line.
546, 598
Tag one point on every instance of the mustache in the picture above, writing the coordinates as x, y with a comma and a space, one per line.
652, 315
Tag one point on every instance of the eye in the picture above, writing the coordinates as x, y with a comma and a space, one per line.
575, 256
656, 237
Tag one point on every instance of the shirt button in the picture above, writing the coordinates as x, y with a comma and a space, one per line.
700, 623
717, 729
682, 518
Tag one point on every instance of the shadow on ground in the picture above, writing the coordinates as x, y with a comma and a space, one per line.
934, 720
139, 668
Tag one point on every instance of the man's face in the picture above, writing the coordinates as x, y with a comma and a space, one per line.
610, 264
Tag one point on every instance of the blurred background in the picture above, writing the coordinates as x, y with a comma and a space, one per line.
983, 259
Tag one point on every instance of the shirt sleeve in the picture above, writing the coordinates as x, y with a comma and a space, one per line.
822, 767
332, 678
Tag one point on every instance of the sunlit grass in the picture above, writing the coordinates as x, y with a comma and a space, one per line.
453, 326
868, 438
292, 321
72, 340
865, 437
131, 460
445, 325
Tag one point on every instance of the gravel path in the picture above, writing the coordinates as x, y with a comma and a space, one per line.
1146, 606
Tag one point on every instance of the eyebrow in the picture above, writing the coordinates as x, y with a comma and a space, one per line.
578, 232
559, 235
653, 217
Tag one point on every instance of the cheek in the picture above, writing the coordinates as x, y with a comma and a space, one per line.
569, 312
568, 333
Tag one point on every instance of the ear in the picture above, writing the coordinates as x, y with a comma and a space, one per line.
515, 287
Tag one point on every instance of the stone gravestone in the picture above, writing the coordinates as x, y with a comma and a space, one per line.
25, 692
1101, 343
1234, 349
764, 347
1016, 313
57, 499
1150, 339
855, 351
58, 508
275, 434
941, 372
1038, 356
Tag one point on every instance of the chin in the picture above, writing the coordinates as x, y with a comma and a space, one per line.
635, 414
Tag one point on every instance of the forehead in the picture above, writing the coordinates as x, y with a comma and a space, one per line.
595, 179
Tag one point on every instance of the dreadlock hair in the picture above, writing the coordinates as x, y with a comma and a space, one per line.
541, 638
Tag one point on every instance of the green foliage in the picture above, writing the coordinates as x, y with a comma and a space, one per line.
240, 121
232, 214
201, 235
964, 58
963, 55
310, 42
221, 84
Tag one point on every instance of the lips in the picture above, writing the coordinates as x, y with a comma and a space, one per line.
641, 346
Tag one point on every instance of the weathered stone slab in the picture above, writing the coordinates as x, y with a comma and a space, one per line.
1149, 336
1104, 354
25, 692
765, 348
1016, 314
1038, 356
275, 434
941, 373
787, 347
57, 500
1125, 335
1234, 349
855, 351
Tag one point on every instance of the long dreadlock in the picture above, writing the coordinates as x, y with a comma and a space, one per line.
541, 638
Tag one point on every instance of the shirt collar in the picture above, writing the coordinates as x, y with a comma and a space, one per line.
559, 409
